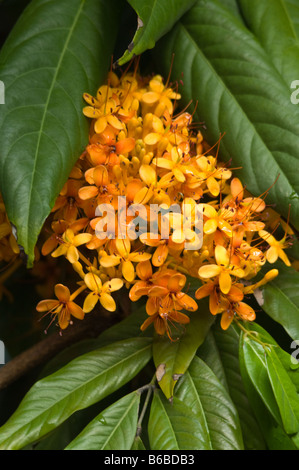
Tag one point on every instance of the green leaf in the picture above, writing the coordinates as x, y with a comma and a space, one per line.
79, 384
253, 356
274, 435
173, 426
242, 92
127, 328
212, 405
138, 444
265, 18
281, 299
155, 18
293, 11
285, 393
113, 429
56, 51
220, 352
177, 355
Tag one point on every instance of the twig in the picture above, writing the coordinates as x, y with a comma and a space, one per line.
93, 324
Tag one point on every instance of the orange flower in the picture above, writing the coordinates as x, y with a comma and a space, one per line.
63, 308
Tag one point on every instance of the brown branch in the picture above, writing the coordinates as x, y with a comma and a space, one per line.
93, 324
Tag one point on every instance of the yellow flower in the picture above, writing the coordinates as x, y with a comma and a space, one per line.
100, 292
276, 248
224, 269
210, 173
125, 257
159, 96
70, 241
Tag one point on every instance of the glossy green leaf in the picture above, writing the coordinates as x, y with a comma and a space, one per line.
293, 12
274, 435
285, 393
265, 18
113, 429
125, 329
288, 361
56, 51
220, 352
212, 405
242, 92
177, 355
155, 18
280, 299
173, 426
253, 356
79, 384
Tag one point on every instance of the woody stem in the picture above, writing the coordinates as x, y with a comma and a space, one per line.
150, 387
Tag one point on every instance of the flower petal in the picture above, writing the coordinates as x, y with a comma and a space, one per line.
225, 282
108, 302
128, 271
62, 292
75, 310
93, 282
209, 270
90, 302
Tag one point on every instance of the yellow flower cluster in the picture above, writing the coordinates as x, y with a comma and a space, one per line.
140, 151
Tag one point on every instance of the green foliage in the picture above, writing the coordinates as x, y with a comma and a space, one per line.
241, 78
204, 389
42, 127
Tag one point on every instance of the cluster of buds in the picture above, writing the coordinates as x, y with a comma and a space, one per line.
141, 156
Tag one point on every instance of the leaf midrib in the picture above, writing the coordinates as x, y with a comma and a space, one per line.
227, 90
62, 399
61, 58
136, 397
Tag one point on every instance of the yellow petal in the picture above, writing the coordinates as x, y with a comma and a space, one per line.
108, 302
226, 319
213, 186
88, 192
164, 163
143, 196
209, 270
75, 310
47, 305
267, 237
123, 246
225, 282
114, 122
148, 175
93, 282
113, 285
150, 97
100, 125
283, 257
210, 226
72, 254
152, 138
61, 250
82, 239
272, 254
128, 271
90, 302
62, 293
221, 256
109, 261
